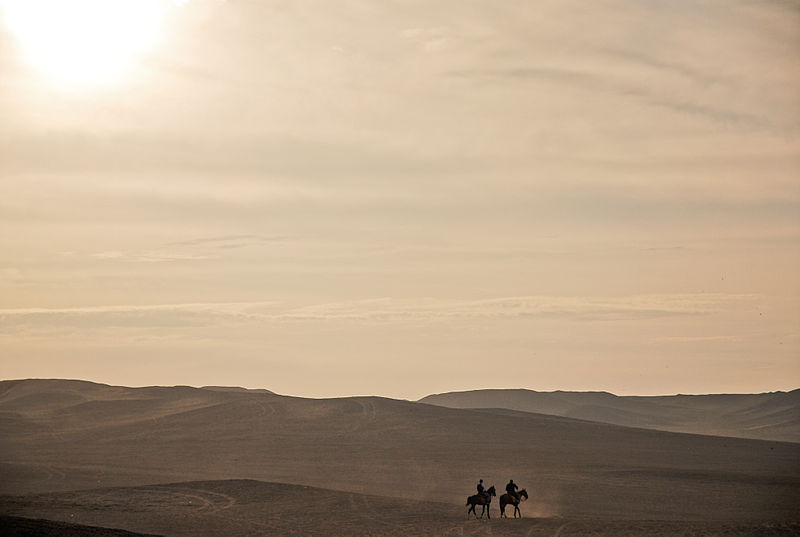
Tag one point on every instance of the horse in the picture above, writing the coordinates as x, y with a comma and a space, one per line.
508, 499
482, 500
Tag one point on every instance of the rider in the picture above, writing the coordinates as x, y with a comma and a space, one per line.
511, 488
482, 490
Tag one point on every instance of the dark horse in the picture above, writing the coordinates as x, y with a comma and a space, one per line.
482, 500
508, 499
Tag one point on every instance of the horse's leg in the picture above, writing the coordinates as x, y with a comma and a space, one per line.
472, 510
516, 510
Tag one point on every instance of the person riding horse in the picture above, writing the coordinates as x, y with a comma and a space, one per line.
511, 488
482, 498
482, 490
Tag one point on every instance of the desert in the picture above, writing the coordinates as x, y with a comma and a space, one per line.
195, 461
313, 268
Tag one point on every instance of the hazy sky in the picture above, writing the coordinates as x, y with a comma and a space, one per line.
400, 198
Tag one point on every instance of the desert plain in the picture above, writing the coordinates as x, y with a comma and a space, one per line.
80, 458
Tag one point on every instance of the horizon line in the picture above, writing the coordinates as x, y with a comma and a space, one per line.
457, 391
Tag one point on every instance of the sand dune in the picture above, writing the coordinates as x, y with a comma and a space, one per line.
63, 436
246, 508
27, 527
766, 416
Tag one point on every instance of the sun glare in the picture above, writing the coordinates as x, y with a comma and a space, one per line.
79, 43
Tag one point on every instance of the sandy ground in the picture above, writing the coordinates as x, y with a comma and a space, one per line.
250, 508
368, 466
11, 526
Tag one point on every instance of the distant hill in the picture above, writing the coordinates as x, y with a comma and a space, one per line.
235, 389
765, 416
68, 435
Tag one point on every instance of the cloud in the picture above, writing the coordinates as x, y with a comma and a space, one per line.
109, 254
150, 256
33, 320
590, 82
198, 249
632, 308
699, 76
228, 241
575, 308
276, 155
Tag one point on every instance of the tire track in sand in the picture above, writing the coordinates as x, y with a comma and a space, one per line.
560, 528
210, 505
556, 534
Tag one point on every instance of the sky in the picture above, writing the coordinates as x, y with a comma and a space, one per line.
402, 198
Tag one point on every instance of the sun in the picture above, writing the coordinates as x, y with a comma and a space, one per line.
79, 43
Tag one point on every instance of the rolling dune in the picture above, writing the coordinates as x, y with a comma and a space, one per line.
765, 416
66, 435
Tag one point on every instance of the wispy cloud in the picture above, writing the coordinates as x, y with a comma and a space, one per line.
593, 82
227, 241
576, 308
699, 76
160, 256
396, 310
202, 248
153, 316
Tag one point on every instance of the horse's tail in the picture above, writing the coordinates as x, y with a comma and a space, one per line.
468, 500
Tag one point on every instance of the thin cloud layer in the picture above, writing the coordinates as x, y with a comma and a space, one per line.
386, 310
616, 175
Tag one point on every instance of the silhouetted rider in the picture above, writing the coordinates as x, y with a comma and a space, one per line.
511, 488
482, 490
